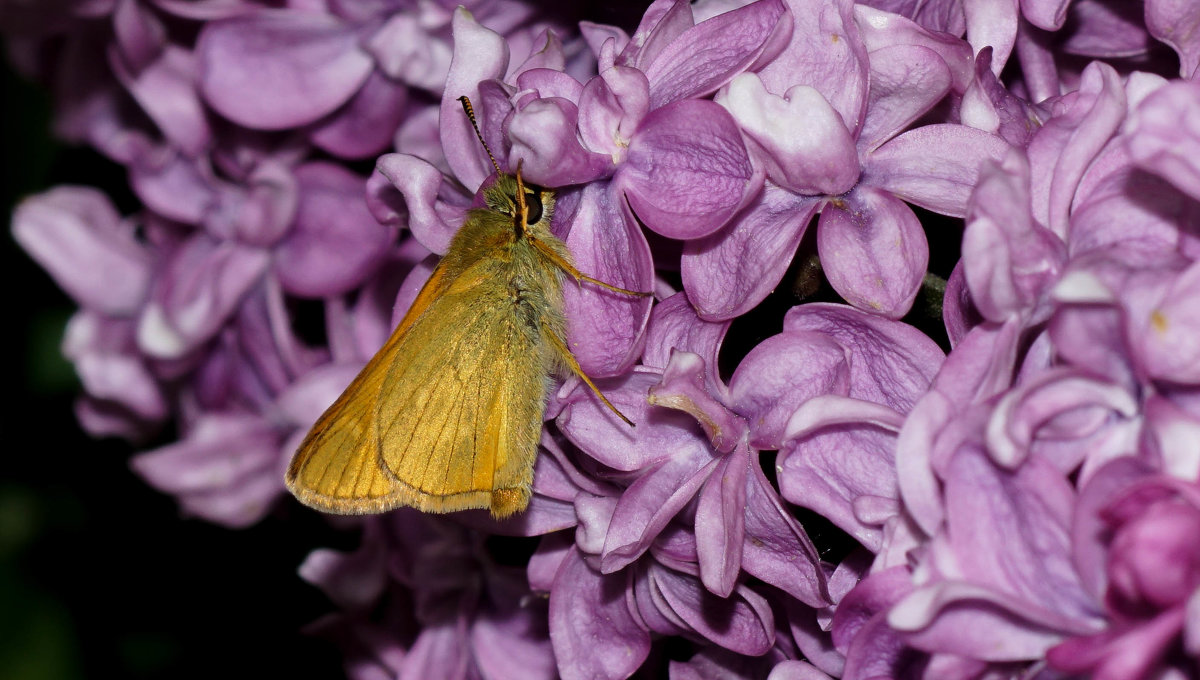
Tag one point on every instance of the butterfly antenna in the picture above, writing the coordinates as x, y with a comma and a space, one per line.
466, 104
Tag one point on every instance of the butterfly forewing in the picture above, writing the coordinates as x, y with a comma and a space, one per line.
336, 467
460, 417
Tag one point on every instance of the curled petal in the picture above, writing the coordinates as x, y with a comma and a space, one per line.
226, 470
479, 54
410, 53
109, 365
610, 108
906, 81
801, 139
1178, 25
200, 285
433, 222
826, 53
674, 325
1009, 261
545, 143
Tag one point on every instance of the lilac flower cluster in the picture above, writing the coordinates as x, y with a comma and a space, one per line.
1026, 505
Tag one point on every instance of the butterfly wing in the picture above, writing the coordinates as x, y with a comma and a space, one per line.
459, 420
336, 467
445, 417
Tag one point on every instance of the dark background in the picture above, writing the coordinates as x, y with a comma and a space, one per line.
99, 575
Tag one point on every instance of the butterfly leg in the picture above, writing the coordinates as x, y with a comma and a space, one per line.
561, 347
562, 263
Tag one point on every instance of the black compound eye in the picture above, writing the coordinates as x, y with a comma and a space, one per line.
533, 201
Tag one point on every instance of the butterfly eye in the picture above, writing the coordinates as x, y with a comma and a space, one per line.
533, 202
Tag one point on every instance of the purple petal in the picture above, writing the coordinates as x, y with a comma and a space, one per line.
721, 522
652, 501
832, 472
605, 328
1103, 30
709, 54
1062, 149
258, 211
873, 251
1170, 431
684, 388
991, 513
1164, 136
438, 649
1066, 407
892, 363
76, 234
801, 140
479, 54
742, 623
728, 273
280, 69
796, 670
174, 186
1009, 261
989, 106
1170, 350
992, 26
687, 171
881, 30
335, 244
140, 34
544, 563
776, 549
591, 628
905, 166
366, 125
662, 22
674, 326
